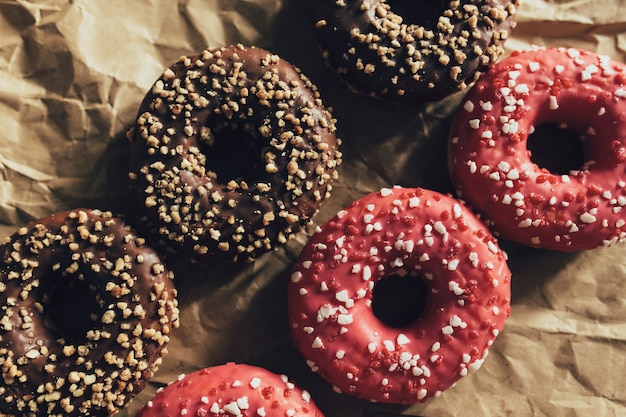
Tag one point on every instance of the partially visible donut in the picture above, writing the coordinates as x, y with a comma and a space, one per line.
415, 52
232, 389
86, 311
398, 232
491, 163
232, 153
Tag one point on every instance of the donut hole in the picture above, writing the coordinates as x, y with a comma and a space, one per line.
420, 13
234, 153
398, 300
71, 309
556, 148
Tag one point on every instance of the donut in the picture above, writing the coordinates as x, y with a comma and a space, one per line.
232, 389
412, 53
492, 167
398, 232
86, 311
232, 152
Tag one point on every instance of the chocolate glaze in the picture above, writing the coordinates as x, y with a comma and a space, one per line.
96, 372
213, 97
380, 53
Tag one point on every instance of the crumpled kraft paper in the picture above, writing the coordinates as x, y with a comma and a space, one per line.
72, 74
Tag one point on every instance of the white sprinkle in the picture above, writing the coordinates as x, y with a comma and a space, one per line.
504, 166
522, 89
435, 347
559, 69
447, 330
414, 202
513, 174
367, 273
371, 347
455, 288
389, 345
386, 192
255, 382
511, 127
533, 66
421, 394
553, 103
317, 343
514, 74
456, 321
487, 106
453, 264
242, 403
342, 296
296, 276
233, 409
368, 218
587, 218
474, 123
620, 92
402, 339
601, 111
440, 228
486, 134
573, 53
469, 106
425, 257
344, 319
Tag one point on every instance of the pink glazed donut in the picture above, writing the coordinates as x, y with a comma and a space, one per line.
491, 165
231, 390
392, 233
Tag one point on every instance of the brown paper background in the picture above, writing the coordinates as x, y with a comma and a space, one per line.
71, 77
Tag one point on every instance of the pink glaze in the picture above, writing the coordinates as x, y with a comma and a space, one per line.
231, 390
491, 165
392, 232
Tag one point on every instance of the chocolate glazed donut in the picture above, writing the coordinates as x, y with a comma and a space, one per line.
378, 48
232, 153
86, 311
